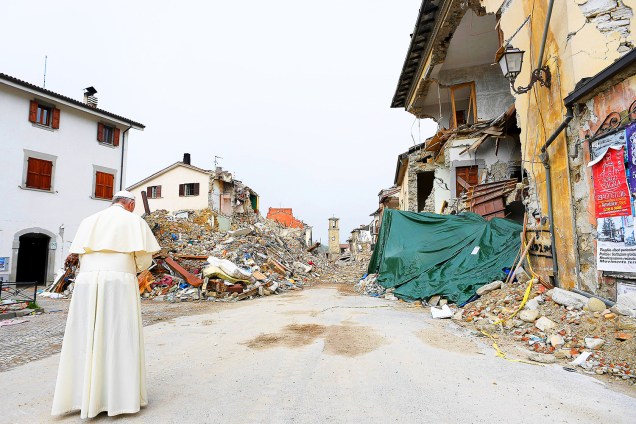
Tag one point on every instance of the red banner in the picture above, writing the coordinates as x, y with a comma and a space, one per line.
611, 193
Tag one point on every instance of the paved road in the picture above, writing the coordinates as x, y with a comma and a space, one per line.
319, 356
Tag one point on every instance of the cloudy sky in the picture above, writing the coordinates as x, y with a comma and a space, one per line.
293, 95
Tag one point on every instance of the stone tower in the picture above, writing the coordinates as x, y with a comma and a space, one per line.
334, 237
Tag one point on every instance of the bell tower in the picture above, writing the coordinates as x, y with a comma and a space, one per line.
334, 237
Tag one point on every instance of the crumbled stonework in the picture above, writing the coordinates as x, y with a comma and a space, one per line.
610, 17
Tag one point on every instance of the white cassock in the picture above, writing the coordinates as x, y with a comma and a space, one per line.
102, 366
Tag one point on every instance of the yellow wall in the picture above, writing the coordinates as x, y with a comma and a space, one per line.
541, 110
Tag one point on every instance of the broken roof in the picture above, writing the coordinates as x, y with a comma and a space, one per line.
424, 28
18, 83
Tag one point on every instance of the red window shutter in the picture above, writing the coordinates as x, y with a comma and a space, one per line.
55, 124
99, 185
196, 189
181, 189
149, 192
33, 111
104, 184
100, 133
116, 137
39, 174
45, 176
110, 183
158, 191
33, 173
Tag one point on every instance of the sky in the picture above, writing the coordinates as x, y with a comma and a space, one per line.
293, 95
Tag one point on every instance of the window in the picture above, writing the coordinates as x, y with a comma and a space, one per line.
108, 134
44, 115
104, 183
464, 104
190, 189
39, 173
153, 192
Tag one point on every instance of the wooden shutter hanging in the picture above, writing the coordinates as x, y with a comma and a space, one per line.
100, 132
196, 189
149, 192
158, 191
116, 137
181, 189
33, 111
55, 123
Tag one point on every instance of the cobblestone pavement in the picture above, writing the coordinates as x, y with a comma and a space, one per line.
41, 335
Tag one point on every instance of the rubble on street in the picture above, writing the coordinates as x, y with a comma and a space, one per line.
256, 257
552, 325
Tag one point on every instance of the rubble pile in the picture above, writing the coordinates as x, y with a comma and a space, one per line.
369, 286
556, 325
199, 262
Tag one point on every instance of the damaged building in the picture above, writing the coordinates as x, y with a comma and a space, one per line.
183, 186
534, 102
473, 162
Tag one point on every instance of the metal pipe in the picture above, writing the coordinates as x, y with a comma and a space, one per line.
545, 34
123, 150
607, 302
545, 159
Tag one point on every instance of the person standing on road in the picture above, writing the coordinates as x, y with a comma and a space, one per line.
102, 366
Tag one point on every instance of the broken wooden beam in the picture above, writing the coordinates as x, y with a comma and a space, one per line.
190, 278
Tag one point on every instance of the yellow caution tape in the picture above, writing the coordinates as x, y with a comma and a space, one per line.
526, 295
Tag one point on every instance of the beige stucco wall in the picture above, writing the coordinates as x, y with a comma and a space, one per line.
170, 199
584, 38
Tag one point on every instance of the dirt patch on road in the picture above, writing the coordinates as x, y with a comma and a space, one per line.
342, 340
351, 340
441, 339
294, 335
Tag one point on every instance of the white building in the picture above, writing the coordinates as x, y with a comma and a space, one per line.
182, 186
61, 161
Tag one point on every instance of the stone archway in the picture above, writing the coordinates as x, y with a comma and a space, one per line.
36, 237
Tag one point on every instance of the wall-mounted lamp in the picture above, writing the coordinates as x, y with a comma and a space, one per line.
511, 62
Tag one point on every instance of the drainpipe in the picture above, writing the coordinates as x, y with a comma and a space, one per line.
545, 158
545, 34
123, 150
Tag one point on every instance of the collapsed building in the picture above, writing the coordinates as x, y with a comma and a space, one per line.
183, 186
559, 163
473, 162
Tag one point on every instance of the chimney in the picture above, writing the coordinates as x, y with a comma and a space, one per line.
186, 158
89, 97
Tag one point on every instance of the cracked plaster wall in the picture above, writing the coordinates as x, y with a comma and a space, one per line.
586, 121
584, 38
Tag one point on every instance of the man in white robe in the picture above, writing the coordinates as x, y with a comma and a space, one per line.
102, 366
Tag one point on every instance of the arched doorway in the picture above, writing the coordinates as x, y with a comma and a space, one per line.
32, 258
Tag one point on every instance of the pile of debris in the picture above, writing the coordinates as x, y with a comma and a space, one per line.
199, 262
558, 324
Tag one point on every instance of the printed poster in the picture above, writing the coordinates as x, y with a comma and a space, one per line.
630, 135
599, 146
611, 193
4, 264
616, 246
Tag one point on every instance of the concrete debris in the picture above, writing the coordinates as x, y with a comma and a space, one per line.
558, 324
592, 343
545, 324
541, 358
568, 298
529, 315
489, 287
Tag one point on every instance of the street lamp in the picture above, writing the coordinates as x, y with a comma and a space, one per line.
511, 62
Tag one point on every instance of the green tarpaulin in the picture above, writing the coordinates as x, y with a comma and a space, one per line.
426, 254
